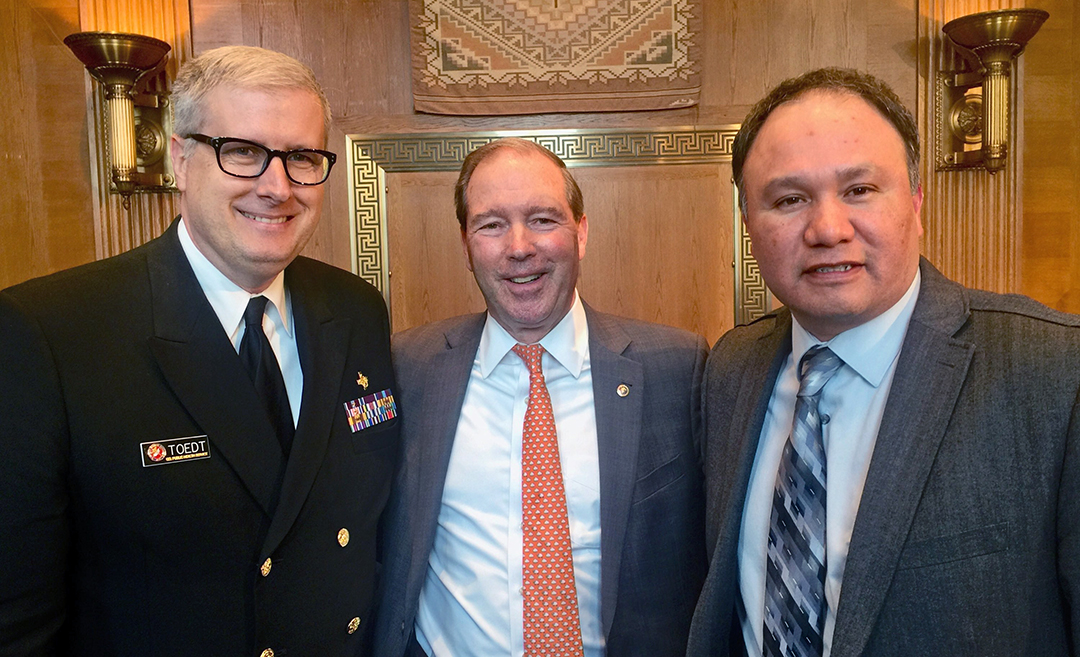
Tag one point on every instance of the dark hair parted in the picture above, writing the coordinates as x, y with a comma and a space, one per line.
837, 80
473, 160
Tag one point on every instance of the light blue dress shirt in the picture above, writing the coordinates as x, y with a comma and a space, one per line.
471, 601
854, 400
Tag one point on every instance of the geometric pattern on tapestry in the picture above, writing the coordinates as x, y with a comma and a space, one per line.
611, 49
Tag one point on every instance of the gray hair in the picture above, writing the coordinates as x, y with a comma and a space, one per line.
839, 80
246, 67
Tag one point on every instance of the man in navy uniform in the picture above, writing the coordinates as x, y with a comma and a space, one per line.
179, 474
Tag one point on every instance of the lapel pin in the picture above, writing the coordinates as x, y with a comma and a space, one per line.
361, 380
623, 390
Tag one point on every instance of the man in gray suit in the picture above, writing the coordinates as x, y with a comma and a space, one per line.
912, 488
461, 569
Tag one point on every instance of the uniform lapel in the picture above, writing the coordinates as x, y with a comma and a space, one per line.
204, 371
322, 341
430, 446
618, 435
929, 375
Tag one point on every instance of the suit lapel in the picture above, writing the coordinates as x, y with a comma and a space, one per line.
322, 340
432, 443
729, 460
929, 375
201, 366
618, 435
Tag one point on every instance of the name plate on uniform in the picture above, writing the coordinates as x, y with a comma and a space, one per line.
174, 450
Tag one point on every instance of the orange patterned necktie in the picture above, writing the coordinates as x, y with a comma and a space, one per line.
551, 625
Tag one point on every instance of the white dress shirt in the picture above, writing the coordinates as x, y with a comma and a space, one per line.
229, 302
471, 601
854, 400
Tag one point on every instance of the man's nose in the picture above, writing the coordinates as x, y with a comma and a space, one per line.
829, 223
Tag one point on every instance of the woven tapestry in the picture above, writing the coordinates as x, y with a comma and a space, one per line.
531, 56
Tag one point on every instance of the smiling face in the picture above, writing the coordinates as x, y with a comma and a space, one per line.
834, 225
250, 228
522, 243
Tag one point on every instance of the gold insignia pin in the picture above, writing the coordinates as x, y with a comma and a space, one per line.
623, 390
354, 624
361, 380
343, 537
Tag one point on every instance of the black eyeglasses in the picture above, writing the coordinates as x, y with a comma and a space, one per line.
248, 159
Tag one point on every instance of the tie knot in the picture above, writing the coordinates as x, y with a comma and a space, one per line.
254, 313
816, 368
530, 353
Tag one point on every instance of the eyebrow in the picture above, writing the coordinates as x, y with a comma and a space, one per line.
500, 212
798, 181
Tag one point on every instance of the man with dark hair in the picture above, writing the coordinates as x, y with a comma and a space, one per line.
549, 499
892, 460
198, 435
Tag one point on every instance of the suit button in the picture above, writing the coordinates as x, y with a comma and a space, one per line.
267, 653
343, 537
264, 569
353, 624
623, 390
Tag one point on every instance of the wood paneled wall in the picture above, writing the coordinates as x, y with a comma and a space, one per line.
360, 52
46, 215
1050, 247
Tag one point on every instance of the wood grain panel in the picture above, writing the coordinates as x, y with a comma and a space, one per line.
660, 245
428, 276
1051, 177
46, 220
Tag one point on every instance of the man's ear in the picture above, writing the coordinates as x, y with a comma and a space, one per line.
179, 161
582, 236
465, 250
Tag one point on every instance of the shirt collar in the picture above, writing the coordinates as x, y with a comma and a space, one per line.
869, 348
567, 343
228, 299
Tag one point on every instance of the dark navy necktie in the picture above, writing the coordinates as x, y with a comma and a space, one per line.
795, 571
262, 366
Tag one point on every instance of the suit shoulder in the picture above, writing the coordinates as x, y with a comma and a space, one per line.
650, 335
422, 342
1018, 308
332, 278
737, 338
84, 285
734, 348
345, 294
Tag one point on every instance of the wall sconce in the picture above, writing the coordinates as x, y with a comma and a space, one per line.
137, 125
973, 106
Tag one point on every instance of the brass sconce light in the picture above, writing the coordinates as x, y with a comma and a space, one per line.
137, 125
973, 107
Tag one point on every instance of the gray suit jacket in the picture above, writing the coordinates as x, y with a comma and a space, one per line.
652, 547
967, 539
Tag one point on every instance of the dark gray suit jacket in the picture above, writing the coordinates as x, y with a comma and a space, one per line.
103, 556
651, 504
967, 539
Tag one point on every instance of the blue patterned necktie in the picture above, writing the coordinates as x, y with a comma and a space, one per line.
795, 571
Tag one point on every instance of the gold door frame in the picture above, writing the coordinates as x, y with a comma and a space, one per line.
371, 157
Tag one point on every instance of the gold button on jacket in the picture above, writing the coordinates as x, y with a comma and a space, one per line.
343, 537
353, 624
265, 570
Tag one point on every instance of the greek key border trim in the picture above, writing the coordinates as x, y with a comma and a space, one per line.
372, 156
